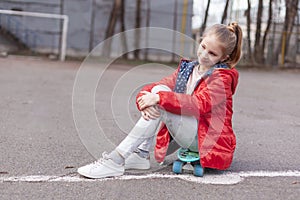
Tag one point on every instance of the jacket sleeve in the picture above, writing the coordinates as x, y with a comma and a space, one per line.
214, 92
168, 81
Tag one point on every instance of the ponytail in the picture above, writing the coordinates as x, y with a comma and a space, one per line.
236, 53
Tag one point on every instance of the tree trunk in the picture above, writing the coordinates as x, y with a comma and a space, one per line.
268, 25
202, 28
147, 25
258, 52
297, 36
248, 15
291, 10
136, 52
175, 29
91, 44
224, 16
111, 26
123, 36
290, 14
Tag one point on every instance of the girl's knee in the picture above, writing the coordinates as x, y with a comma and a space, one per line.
158, 88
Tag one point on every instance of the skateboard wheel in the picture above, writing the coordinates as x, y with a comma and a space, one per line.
177, 167
198, 170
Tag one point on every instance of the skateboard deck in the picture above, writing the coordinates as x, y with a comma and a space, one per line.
188, 161
186, 155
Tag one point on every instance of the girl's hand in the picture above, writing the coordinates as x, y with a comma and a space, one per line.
147, 100
150, 113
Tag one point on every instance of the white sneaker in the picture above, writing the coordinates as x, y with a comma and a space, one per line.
134, 161
104, 167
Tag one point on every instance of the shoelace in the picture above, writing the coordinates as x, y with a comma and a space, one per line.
98, 162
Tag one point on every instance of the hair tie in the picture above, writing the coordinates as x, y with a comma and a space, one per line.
232, 27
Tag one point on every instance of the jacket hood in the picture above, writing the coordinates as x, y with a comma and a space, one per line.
235, 76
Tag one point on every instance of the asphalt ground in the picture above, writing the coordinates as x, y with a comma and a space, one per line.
39, 137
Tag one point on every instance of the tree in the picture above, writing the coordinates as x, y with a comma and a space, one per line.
268, 25
175, 29
91, 44
258, 52
248, 15
137, 31
117, 13
147, 25
203, 26
291, 7
291, 13
123, 36
224, 16
111, 26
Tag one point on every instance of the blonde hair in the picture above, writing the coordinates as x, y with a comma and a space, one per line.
231, 37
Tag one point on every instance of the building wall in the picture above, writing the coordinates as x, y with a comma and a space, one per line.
83, 35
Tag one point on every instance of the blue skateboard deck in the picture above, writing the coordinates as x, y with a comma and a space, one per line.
187, 161
186, 155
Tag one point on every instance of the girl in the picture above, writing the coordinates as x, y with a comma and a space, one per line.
191, 108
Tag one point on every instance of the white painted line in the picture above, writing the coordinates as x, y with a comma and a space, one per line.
289, 173
227, 178
207, 179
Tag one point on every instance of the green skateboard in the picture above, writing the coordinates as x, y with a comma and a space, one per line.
188, 161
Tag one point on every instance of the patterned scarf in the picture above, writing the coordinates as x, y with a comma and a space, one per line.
186, 69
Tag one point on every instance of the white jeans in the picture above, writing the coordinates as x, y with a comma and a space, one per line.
182, 128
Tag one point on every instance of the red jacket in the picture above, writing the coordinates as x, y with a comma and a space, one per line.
211, 104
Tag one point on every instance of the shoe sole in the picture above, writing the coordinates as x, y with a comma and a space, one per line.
101, 176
